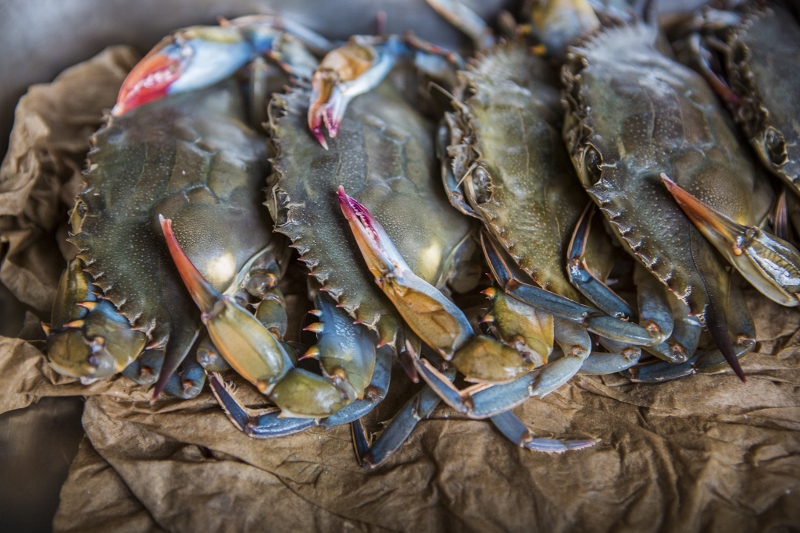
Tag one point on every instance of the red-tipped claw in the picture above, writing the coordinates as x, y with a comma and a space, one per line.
189, 59
203, 294
151, 78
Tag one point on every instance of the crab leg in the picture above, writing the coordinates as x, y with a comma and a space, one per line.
583, 279
495, 403
512, 427
269, 423
256, 423
466, 20
188, 381
654, 304
601, 364
345, 350
419, 407
592, 319
87, 337
739, 323
374, 394
742, 328
682, 344
344, 73
433, 317
484, 400
146, 369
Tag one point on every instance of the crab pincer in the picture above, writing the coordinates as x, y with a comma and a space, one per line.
768, 262
359, 66
200, 56
251, 349
344, 73
433, 317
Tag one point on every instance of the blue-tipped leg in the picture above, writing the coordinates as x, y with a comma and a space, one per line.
512, 427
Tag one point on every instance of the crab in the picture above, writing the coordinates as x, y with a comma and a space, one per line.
384, 151
497, 367
181, 64
120, 304
642, 130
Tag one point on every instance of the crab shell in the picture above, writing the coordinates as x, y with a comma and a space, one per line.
383, 155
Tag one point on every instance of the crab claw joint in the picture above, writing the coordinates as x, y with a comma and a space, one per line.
437, 320
768, 262
241, 340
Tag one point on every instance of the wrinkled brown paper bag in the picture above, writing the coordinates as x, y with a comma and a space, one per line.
705, 452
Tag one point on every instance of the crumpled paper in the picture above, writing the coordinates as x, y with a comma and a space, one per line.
704, 452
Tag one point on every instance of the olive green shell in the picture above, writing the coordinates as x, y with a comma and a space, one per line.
634, 113
191, 158
764, 71
506, 136
384, 157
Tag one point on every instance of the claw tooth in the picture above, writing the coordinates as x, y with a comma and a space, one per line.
88, 305
488, 318
490, 293
316, 327
311, 353
315, 312
46, 328
74, 324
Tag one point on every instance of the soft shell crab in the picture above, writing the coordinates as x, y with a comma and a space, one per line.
635, 125
192, 158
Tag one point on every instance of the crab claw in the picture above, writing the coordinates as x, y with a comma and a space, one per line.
437, 320
771, 264
241, 340
188, 59
344, 73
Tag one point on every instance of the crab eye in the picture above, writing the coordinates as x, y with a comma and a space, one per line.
775, 147
481, 185
591, 173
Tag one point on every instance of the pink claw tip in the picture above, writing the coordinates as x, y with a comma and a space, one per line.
317, 132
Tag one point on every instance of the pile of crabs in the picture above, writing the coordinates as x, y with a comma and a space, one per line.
577, 198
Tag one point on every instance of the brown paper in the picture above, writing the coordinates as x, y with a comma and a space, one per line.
704, 452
